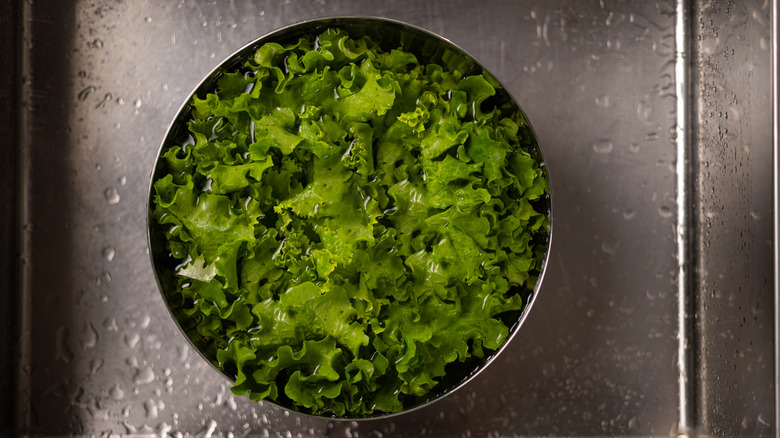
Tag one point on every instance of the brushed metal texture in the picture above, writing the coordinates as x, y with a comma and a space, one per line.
598, 354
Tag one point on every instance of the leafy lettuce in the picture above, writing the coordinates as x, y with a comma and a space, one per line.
347, 223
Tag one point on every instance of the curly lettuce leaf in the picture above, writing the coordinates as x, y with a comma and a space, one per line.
346, 223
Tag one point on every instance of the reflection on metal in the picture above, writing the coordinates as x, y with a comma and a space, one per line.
685, 291
733, 232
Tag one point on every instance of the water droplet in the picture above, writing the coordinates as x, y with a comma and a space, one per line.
95, 365
137, 103
148, 19
183, 351
755, 215
763, 43
143, 376
644, 111
633, 147
602, 101
108, 253
609, 246
629, 214
112, 196
131, 339
89, 336
230, 402
96, 410
151, 409
122, 180
602, 146
120, 101
83, 94
107, 98
110, 325
145, 320
116, 393
665, 212
208, 431
106, 277
650, 136
166, 428
98, 43
62, 350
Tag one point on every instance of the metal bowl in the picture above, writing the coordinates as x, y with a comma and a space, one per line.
428, 47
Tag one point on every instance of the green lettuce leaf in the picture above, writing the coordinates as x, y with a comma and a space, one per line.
346, 223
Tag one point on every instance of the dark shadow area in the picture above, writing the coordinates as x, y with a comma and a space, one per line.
48, 289
9, 132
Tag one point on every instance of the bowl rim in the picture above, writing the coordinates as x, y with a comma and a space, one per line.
329, 21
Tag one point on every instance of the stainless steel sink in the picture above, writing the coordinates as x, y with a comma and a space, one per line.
657, 313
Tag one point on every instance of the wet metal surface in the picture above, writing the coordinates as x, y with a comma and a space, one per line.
733, 173
598, 354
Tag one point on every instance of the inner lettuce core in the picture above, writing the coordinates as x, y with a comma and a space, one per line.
346, 224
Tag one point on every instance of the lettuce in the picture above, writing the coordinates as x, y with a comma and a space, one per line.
348, 224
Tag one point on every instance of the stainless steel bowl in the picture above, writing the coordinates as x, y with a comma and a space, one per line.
389, 34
